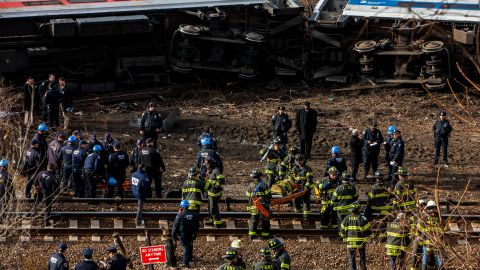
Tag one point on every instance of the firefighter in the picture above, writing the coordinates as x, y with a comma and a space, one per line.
214, 188
233, 261
288, 163
418, 243
431, 232
192, 190
379, 198
273, 156
355, 232
344, 197
267, 262
325, 189
336, 161
280, 254
259, 195
303, 176
207, 151
405, 191
397, 241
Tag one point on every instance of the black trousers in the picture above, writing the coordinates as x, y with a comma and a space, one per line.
355, 166
254, 221
370, 159
30, 178
352, 260
441, 142
54, 116
90, 184
305, 201
120, 179
155, 178
214, 210
66, 179
78, 183
305, 145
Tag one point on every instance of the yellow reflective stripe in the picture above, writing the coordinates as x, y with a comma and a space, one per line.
214, 194
285, 265
355, 239
268, 171
386, 207
379, 195
344, 207
356, 228
252, 233
309, 174
394, 234
281, 173
191, 190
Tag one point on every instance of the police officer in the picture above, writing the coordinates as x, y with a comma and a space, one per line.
46, 183
107, 145
192, 190
336, 160
233, 261
396, 154
280, 254
66, 154
28, 90
372, 140
151, 123
7, 191
93, 171
259, 195
42, 90
441, 133
135, 154
154, 167
281, 123
87, 263
53, 98
356, 145
67, 101
78, 161
118, 162
116, 261
93, 141
405, 192
344, 196
288, 163
306, 125
398, 240
140, 187
267, 262
207, 151
379, 198
32, 166
325, 188
57, 260
185, 227
273, 155
355, 231
303, 176
54, 148
388, 142
214, 188
41, 138
207, 133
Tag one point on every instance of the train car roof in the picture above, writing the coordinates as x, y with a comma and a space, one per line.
447, 10
56, 8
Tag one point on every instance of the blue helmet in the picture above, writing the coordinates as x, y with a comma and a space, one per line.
112, 181
336, 150
4, 163
97, 148
206, 141
72, 139
42, 127
184, 204
391, 129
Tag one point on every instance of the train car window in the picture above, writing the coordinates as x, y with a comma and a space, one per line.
41, 3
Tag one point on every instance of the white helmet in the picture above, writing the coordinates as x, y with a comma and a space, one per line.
431, 204
236, 243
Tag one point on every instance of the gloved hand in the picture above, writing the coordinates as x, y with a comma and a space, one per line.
393, 163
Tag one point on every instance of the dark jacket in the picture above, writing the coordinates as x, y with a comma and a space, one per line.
53, 98
86, 265
117, 262
118, 163
152, 160
46, 181
209, 152
355, 230
67, 97
32, 161
442, 128
66, 154
54, 156
397, 151
306, 122
186, 225
151, 121
28, 96
355, 149
42, 147
337, 162
266, 265
78, 157
57, 262
283, 259
140, 185
376, 139
94, 163
281, 123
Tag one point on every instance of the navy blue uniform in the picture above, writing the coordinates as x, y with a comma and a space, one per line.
149, 123
388, 146
117, 262
337, 162
53, 98
42, 147
372, 140
54, 154
281, 123
205, 153
86, 265
78, 159
57, 262
46, 182
441, 132
186, 227
397, 152
152, 160
117, 165
140, 188
93, 173
33, 161
66, 154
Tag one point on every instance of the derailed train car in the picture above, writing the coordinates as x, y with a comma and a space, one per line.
136, 41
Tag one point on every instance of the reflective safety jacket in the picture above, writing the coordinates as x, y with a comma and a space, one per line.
215, 181
192, 190
258, 189
405, 193
303, 176
326, 187
343, 197
398, 237
429, 228
265, 265
379, 199
240, 265
355, 230
286, 167
273, 160
283, 259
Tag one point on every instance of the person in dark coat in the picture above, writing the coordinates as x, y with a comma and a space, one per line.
87, 263
66, 154
441, 133
116, 260
53, 98
41, 138
135, 154
67, 102
281, 123
117, 165
207, 151
28, 90
306, 125
154, 166
93, 171
207, 132
140, 187
396, 154
78, 161
185, 228
151, 123
356, 144
372, 141
46, 184
54, 154
40, 96
57, 260
93, 141
31, 166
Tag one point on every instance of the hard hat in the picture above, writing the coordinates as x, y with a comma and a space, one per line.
391, 129
236, 243
336, 150
206, 141
97, 148
277, 140
275, 243
112, 181
354, 206
230, 253
256, 174
300, 157
346, 176
333, 170
72, 139
265, 252
402, 171
42, 127
294, 150
184, 204
4, 163
379, 174
431, 204
422, 202
443, 113
193, 171
396, 130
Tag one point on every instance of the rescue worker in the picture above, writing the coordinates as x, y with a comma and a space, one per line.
405, 192
67, 102
441, 132
303, 176
154, 167
93, 171
78, 161
280, 254
233, 261
116, 261
306, 125
28, 90
151, 123
267, 262
135, 154
288, 163
41, 138
431, 232
46, 184
281, 123
398, 241
388, 142
396, 154
273, 156
118, 162
207, 133
379, 198
57, 260
93, 141
344, 197
66, 154
372, 140
326, 187
355, 231
87, 263
208, 151
336, 161
258, 190
356, 145
53, 98
107, 145
7, 190
140, 187
42, 90
33, 160
192, 190
214, 187
54, 152
185, 227
418, 243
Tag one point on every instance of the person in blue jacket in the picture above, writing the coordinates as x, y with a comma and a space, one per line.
140, 184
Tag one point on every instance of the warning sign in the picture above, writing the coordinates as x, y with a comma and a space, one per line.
153, 254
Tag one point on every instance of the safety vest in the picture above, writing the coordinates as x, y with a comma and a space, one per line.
343, 197
258, 189
355, 230
398, 237
379, 199
405, 193
214, 185
429, 229
192, 190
